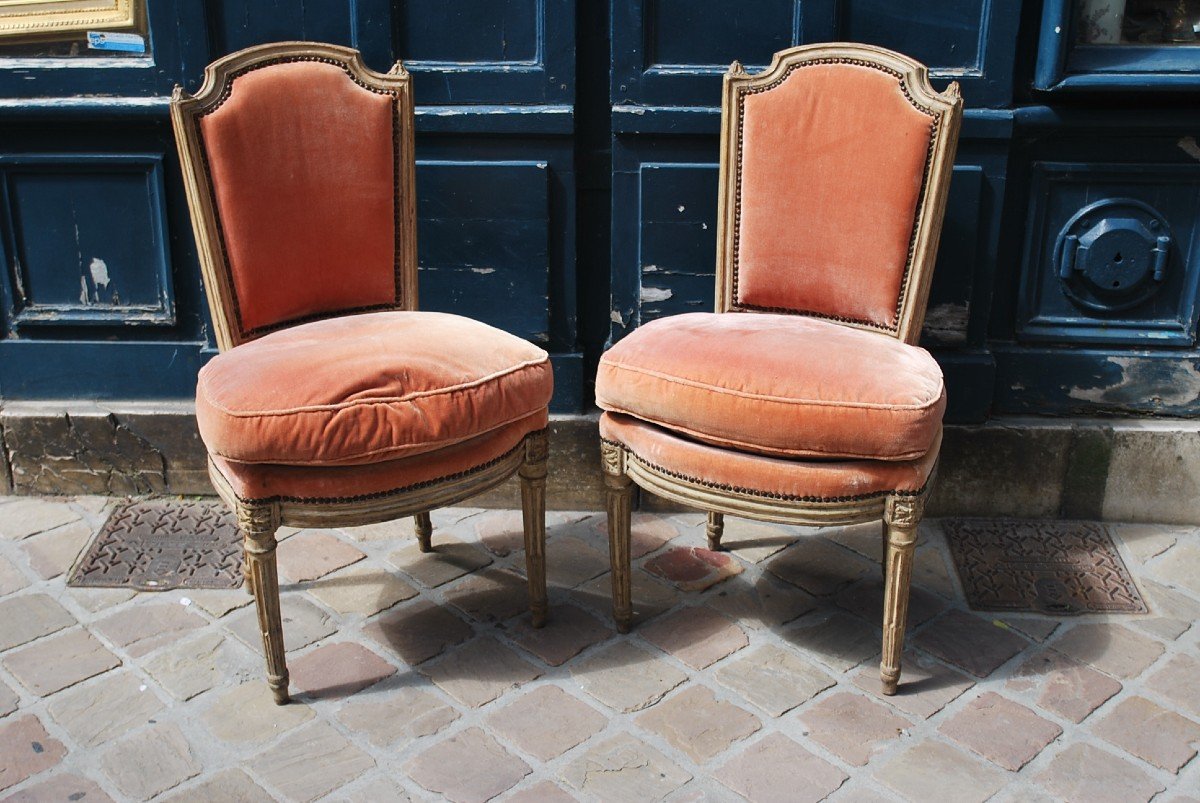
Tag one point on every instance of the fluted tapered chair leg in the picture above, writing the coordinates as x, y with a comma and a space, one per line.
258, 526
246, 583
533, 509
901, 517
424, 529
619, 504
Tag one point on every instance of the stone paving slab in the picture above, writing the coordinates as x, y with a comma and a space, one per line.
750, 674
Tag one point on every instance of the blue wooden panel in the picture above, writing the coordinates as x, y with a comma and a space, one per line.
496, 32
95, 369
948, 314
1055, 381
488, 51
1048, 309
362, 24
947, 35
673, 52
678, 243
973, 42
483, 244
687, 33
84, 240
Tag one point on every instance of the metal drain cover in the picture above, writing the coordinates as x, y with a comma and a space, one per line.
1052, 567
160, 544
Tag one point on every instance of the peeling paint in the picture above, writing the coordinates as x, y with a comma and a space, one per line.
615, 317
649, 268
682, 207
1189, 146
1175, 383
652, 294
84, 298
99, 270
947, 322
483, 270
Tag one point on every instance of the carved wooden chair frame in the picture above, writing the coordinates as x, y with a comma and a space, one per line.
259, 519
900, 512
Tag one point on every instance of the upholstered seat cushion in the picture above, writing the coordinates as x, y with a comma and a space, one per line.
780, 385
367, 388
264, 482
771, 478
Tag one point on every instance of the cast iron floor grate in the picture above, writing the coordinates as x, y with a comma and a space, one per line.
1054, 567
160, 544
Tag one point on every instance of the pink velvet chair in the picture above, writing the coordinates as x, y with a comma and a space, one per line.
334, 402
804, 398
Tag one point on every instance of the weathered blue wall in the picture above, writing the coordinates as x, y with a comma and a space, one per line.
567, 154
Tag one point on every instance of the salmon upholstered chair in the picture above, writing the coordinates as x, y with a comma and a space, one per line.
804, 398
334, 402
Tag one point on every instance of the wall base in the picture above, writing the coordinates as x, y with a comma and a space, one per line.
1109, 469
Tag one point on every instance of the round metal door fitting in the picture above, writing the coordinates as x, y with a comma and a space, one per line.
1113, 254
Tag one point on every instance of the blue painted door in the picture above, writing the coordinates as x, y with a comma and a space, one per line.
100, 296
567, 170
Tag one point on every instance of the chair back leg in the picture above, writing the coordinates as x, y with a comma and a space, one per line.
533, 509
716, 528
424, 529
258, 524
618, 492
902, 514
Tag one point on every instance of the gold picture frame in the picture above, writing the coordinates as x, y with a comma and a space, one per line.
37, 18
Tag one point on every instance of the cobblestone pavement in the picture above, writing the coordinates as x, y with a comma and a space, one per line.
750, 674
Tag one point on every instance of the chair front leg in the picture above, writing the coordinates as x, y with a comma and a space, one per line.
424, 528
902, 514
716, 528
258, 525
533, 507
246, 581
619, 502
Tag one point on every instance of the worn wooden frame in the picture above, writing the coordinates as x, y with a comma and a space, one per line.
186, 112
900, 511
259, 519
945, 111
38, 18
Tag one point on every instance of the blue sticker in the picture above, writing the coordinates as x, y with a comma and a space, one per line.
127, 42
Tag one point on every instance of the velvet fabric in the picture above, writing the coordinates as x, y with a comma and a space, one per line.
367, 388
303, 167
779, 385
813, 480
832, 162
261, 482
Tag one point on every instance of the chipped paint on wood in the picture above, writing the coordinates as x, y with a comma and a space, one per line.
99, 271
1169, 383
947, 323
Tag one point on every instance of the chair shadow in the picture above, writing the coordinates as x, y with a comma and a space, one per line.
839, 630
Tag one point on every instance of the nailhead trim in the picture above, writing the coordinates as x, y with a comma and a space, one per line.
323, 500
218, 102
934, 125
716, 486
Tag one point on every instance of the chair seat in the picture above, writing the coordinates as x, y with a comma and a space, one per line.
366, 389
778, 385
771, 478
263, 482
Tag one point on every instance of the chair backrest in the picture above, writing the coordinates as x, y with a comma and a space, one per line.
298, 164
835, 164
